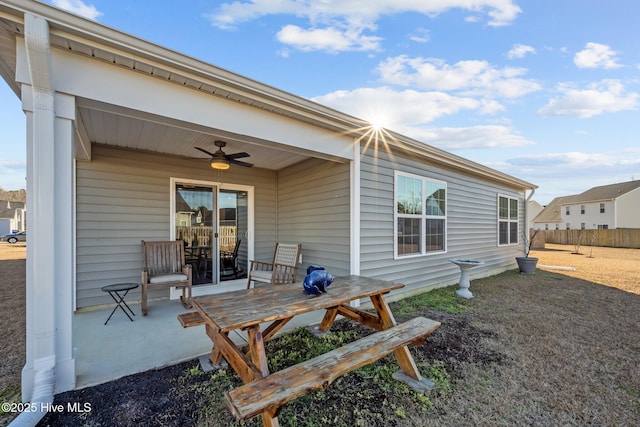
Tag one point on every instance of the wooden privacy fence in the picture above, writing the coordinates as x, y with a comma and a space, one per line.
201, 236
617, 238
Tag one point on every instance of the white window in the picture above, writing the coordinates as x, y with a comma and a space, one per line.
421, 215
582, 226
582, 209
601, 207
507, 220
567, 210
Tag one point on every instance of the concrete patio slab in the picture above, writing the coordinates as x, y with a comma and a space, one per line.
122, 347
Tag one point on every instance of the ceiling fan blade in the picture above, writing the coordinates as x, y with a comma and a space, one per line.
240, 163
237, 155
204, 151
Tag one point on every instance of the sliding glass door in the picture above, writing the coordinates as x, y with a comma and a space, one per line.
215, 222
233, 233
195, 224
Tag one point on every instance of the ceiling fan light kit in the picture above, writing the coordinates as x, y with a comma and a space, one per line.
222, 161
221, 164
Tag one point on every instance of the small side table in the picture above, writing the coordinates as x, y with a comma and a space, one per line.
116, 292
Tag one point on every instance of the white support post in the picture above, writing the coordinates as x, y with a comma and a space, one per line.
65, 110
355, 209
49, 284
38, 104
355, 213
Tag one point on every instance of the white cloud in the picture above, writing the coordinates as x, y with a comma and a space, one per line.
350, 17
421, 35
397, 110
566, 173
79, 8
13, 174
608, 96
471, 77
520, 51
409, 112
452, 139
329, 39
596, 55
572, 160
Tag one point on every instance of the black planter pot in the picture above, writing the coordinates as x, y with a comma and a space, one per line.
527, 265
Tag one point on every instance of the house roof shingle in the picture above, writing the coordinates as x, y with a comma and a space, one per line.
606, 192
552, 212
8, 209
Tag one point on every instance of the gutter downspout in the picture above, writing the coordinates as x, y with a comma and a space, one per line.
526, 212
41, 296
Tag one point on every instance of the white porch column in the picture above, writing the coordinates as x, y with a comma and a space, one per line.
355, 213
64, 240
49, 293
355, 208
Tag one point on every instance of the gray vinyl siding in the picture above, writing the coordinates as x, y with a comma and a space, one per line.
313, 209
123, 197
471, 223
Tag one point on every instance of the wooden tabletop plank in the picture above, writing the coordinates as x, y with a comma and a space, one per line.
239, 309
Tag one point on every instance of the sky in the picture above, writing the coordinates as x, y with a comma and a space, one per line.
545, 90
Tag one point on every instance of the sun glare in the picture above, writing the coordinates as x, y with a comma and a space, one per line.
377, 125
377, 122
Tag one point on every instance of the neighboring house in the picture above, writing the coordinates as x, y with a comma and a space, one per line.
605, 207
13, 217
533, 209
113, 125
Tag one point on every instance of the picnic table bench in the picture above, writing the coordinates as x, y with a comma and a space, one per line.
264, 392
191, 318
268, 395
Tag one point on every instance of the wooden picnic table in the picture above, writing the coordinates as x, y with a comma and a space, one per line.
247, 310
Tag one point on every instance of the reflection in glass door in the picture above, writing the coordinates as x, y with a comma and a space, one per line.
233, 234
194, 224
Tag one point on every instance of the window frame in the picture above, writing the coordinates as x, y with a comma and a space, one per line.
509, 220
423, 216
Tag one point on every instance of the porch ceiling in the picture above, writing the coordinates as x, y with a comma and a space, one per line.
120, 127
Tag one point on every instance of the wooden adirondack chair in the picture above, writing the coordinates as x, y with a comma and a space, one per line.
281, 270
163, 265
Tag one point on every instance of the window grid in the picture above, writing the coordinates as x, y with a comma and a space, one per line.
508, 212
421, 206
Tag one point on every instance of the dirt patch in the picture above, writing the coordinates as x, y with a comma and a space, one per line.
552, 348
616, 267
13, 251
12, 320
